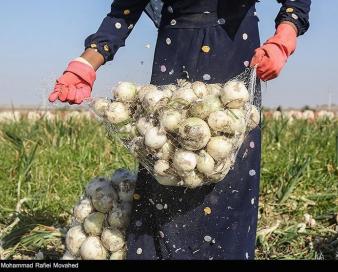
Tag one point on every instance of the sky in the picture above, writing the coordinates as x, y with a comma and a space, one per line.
39, 37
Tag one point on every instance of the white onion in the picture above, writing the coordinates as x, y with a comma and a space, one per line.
184, 96
202, 109
214, 89
166, 151
152, 100
199, 89
193, 180
218, 121
219, 147
143, 125
117, 113
119, 255
83, 209
93, 224
254, 118
205, 163
194, 133
92, 249
234, 94
184, 161
155, 138
100, 106
118, 218
113, 240
104, 198
236, 123
170, 120
220, 171
74, 239
168, 180
125, 92
144, 90
160, 167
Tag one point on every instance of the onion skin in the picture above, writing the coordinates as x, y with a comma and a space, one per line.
194, 133
219, 148
234, 94
92, 249
237, 123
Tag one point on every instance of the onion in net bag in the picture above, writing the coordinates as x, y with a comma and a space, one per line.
186, 134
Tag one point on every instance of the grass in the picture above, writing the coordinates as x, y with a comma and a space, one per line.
44, 167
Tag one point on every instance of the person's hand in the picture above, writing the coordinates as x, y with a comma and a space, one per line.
271, 57
76, 84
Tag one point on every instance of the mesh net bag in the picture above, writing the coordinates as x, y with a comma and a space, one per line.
186, 134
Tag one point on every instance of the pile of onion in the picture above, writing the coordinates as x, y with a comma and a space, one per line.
100, 219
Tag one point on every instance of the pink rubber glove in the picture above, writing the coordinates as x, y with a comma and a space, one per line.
76, 83
271, 57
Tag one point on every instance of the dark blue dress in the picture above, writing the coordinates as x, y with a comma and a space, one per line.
210, 41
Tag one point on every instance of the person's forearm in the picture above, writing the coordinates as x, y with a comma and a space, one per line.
93, 57
291, 24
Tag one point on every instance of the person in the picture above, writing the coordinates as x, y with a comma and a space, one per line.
199, 40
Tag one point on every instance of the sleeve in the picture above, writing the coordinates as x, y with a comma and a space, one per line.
116, 27
295, 11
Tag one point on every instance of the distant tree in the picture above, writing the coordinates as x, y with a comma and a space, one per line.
306, 107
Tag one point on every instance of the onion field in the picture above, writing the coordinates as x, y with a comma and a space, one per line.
46, 159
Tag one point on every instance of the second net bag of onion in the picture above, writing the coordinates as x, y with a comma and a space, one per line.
186, 134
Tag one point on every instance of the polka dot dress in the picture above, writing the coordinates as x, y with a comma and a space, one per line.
198, 40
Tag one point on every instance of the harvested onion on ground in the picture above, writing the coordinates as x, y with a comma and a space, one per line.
96, 235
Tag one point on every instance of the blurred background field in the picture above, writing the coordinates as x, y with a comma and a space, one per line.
47, 157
